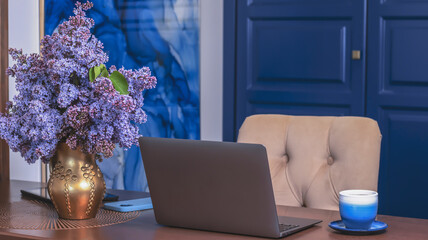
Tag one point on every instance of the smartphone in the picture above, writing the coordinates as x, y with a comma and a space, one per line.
130, 205
43, 194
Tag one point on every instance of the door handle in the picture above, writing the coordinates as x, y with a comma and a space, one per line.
356, 54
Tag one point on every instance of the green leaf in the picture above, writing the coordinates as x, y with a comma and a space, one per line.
119, 82
104, 73
97, 71
91, 74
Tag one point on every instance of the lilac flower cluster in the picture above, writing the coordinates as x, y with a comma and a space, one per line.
56, 102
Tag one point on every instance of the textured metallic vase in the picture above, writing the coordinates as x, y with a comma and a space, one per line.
76, 185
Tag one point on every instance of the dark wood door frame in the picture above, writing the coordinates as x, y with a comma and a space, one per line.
4, 86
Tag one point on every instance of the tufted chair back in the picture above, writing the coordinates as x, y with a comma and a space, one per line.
312, 159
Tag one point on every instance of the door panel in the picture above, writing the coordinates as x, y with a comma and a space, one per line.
397, 97
294, 57
318, 40
405, 55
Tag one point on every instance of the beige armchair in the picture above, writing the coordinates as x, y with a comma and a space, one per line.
312, 159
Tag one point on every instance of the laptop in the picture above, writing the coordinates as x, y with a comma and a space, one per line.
214, 186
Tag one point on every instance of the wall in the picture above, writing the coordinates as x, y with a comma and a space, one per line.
24, 33
211, 70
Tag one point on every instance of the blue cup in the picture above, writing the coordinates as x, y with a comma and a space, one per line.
358, 208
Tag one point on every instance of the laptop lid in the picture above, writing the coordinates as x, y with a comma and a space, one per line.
215, 186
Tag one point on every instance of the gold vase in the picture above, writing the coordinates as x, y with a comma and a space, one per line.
76, 185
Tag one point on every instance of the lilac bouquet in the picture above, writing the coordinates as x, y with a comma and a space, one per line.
66, 94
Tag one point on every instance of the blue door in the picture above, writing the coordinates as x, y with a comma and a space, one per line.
397, 97
295, 57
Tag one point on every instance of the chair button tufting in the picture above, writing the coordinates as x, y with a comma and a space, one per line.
330, 160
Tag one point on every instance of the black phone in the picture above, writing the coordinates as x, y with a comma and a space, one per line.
42, 194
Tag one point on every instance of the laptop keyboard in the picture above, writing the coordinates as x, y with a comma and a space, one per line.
285, 227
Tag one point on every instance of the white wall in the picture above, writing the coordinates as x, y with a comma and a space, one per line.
23, 33
211, 69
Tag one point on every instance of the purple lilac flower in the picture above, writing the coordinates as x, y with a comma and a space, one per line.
139, 116
103, 88
68, 93
56, 102
125, 102
77, 117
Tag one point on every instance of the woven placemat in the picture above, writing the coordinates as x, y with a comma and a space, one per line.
39, 215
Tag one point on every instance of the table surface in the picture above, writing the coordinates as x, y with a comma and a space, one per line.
145, 226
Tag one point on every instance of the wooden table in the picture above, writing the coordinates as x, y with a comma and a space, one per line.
145, 226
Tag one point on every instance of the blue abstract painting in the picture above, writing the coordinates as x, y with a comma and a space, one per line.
160, 34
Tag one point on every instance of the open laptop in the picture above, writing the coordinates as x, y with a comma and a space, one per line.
214, 186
